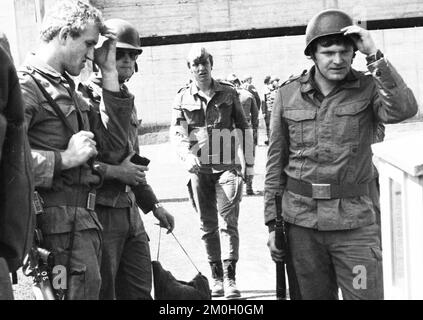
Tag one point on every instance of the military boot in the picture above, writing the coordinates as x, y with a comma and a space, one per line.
217, 275
229, 284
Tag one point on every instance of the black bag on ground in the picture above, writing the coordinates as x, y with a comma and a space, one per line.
167, 287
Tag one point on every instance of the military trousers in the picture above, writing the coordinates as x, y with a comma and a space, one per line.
126, 262
217, 197
326, 261
83, 279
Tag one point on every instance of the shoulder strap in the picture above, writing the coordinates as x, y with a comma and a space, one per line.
293, 78
53, 104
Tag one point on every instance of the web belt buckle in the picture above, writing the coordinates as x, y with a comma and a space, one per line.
320, 191
91, 201
37, 202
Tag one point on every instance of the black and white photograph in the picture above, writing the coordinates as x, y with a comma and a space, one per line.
210, 156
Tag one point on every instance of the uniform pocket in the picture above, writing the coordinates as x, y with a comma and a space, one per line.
346, 124
77, 283
67, 108
230, 186
194, 114
301, 125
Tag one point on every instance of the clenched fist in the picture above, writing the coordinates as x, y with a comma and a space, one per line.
81, 147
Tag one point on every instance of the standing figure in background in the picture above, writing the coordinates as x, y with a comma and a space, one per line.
267, 107
248, 103
247, 83
208, 126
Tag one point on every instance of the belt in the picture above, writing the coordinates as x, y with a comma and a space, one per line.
76, 198
326, 191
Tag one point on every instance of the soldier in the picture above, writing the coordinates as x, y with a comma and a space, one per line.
205, 114
16, 183
126, 261
248, 103
320, 159
63, 144
269, 97
247, 83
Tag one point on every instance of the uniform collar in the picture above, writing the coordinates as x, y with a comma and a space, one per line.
308, 84
45, 69
214, 84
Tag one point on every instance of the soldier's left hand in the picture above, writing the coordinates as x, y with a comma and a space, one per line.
105, 56
165, 218
362, 39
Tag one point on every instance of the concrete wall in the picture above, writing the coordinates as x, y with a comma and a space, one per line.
29, 15
172, 17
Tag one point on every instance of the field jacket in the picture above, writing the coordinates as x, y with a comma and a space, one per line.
326, 140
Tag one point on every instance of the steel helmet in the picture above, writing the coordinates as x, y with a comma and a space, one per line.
127, 36
326, 22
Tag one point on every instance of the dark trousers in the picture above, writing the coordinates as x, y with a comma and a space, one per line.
84, 275
6, 291
126, 262
327, 260
267, 118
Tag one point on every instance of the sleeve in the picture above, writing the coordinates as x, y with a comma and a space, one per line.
393, 100
254, 114
115, 113
246, 133
145, 197
179, 135
254, 92
264, 104
44, 162
277, 159
110, 120
144, 194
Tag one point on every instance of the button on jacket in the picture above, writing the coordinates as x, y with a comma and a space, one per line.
195, 121
327, 140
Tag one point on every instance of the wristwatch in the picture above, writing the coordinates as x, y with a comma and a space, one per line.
158, 205
374, 57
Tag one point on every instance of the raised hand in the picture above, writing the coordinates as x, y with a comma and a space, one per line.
105, 56
362, 39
